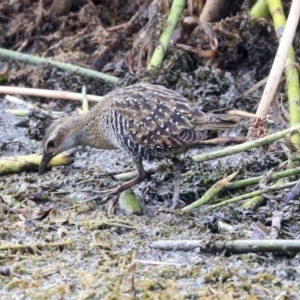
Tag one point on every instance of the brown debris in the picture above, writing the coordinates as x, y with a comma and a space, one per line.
128, 30
257, 128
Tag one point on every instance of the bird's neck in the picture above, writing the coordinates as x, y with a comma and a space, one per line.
89, 132
77, 129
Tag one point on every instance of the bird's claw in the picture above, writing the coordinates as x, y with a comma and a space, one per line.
99, 195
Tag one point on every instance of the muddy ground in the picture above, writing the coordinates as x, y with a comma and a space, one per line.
54, 247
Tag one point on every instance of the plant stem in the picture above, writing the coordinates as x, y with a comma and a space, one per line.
166, 35
246, 146
250, 195
255, 180
35, 60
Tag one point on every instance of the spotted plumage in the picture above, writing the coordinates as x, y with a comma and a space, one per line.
146, 121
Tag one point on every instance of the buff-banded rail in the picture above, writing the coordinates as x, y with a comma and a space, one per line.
146, 121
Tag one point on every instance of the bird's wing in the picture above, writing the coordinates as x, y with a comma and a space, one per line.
156, 116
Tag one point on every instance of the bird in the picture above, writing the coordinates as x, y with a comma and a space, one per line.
147, 121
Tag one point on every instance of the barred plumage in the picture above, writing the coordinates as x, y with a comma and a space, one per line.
146, 121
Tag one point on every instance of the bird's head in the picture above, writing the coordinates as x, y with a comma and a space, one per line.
61, 136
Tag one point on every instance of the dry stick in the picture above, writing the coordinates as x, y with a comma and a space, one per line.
46, 93
236, 246
276, 224
280, 59
35, 60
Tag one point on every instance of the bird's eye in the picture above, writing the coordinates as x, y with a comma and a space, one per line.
50, 147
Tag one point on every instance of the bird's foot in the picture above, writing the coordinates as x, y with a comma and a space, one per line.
117, 189
101, 194
120, 188
173, 206
177, 203
111, 191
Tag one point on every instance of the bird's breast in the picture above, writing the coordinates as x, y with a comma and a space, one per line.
100, 142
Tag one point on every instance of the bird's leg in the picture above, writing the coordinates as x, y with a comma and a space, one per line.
177, 168
139, 178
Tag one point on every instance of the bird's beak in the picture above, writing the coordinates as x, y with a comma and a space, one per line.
44, 162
